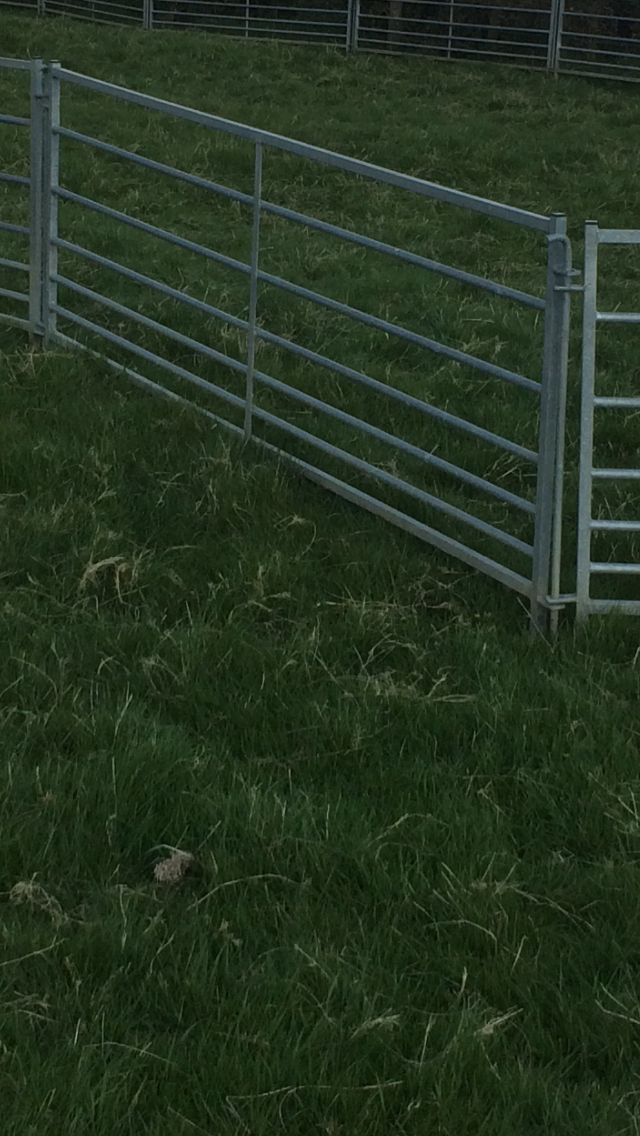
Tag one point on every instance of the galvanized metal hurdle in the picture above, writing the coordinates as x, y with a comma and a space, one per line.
593, 403
540, 585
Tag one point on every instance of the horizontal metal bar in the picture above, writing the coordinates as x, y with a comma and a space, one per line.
481, 55
327, 157
16, 264
611, 569
502, 290
583, 73
150, 324
402, 333
150, 356
14, 120
149, 282
618, 317
8, 294
389, 479
286, 34
275, 23
544, 12
144, 382
398, 483
616, 474
615, 526
15, 321
254, 14
608, 607
305, 293
462, 37
312, 356
459, 30
7, 227
15, 179
617, 403
16, 64
399, 396
424, 456
152, 164
153, 230
618, 236
104, 21
431, 536
622, 59
123, 14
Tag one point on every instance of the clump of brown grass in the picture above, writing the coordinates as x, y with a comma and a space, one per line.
173, 868
33, 894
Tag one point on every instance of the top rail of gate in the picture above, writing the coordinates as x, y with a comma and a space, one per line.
432, 190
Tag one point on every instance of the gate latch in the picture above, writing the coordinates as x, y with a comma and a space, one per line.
572, 273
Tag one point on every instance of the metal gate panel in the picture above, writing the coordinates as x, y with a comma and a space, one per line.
596, 404
292, 433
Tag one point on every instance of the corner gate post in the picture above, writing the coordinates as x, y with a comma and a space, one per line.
36, 224
147, 15
548, 525
50, 181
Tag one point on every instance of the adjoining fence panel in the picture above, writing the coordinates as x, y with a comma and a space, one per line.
600, 39
266, 421
583, 37
592, 405
23, 269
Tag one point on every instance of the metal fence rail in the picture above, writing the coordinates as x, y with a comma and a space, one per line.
340, 462
582, 37
592, 527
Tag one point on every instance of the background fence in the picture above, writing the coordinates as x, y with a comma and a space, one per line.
587, 37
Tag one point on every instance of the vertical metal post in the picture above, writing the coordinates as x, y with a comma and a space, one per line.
563, 273
450, 35
353, 25
554, 43
42, 8
36, 225
588, 379
554, 366
247, 18
147, 15
50, 182
253, 294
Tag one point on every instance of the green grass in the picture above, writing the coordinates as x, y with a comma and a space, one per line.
415, 903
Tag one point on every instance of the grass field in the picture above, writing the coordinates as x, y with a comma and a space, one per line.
414, 907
